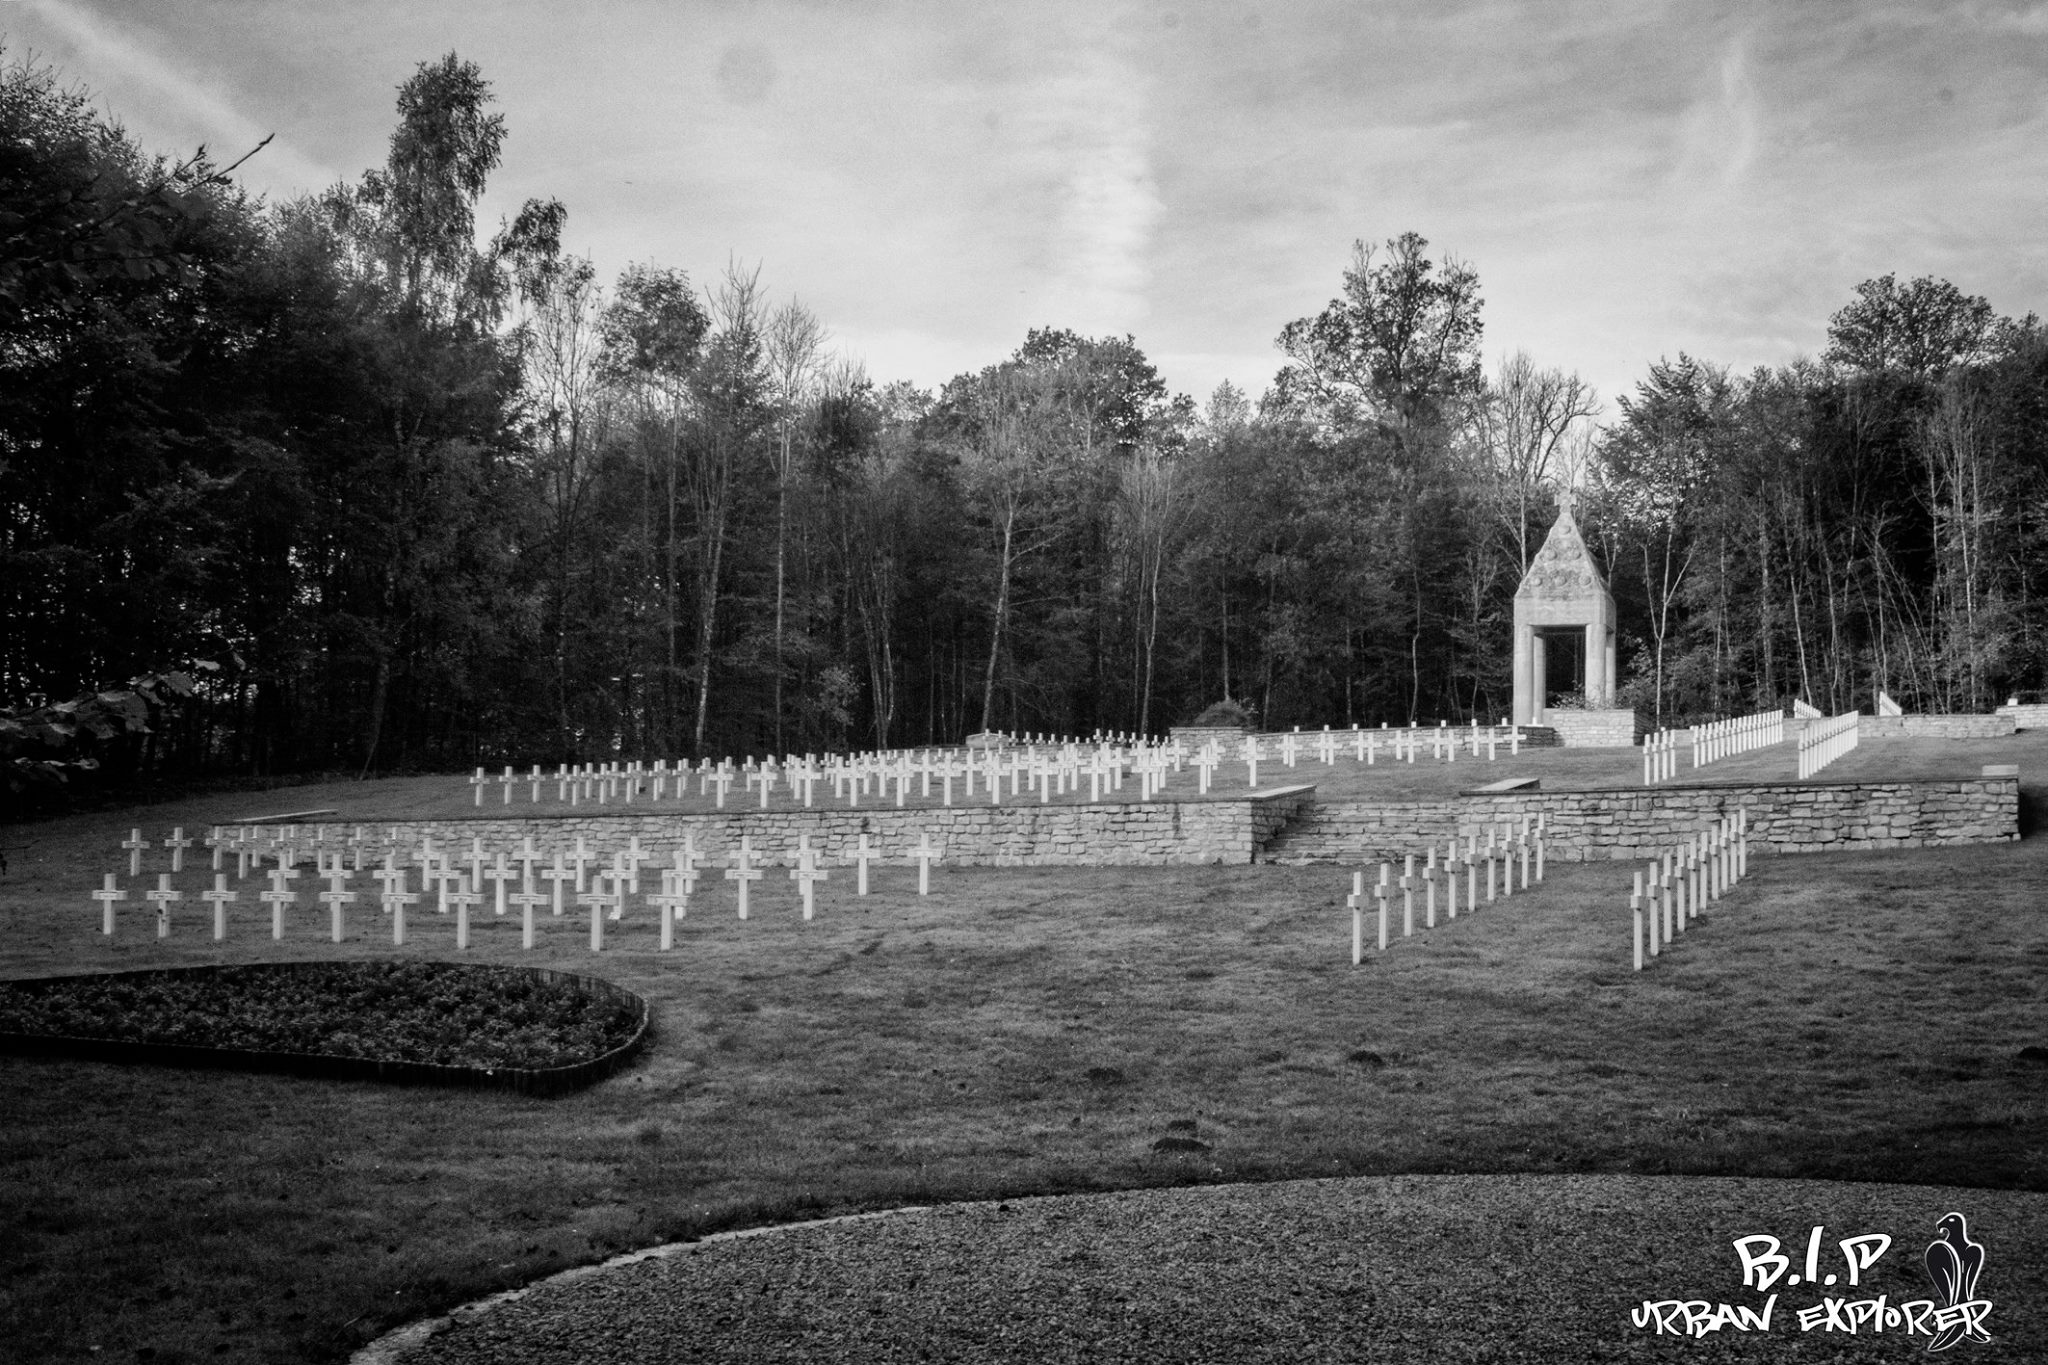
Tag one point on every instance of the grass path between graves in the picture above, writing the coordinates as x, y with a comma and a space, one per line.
1020, 1031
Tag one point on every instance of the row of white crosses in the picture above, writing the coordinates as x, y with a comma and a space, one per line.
604, 891
1507, 847
607, 782
1680, 883
1660, 756
1726, 738
1035, 764
1442, 743
1824, 741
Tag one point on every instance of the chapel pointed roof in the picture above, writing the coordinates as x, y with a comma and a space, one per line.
1563, 569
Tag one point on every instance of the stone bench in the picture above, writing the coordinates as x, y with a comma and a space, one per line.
1507, 784
273, 819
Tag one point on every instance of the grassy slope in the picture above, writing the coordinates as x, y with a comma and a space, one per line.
1842, 1016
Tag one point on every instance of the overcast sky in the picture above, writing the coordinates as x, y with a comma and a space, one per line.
1630, 179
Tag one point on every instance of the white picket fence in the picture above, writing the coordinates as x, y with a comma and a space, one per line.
1824, 741
1727, 738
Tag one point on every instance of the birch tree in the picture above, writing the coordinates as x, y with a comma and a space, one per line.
794, 356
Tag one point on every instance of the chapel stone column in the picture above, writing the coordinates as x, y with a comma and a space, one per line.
1519, 671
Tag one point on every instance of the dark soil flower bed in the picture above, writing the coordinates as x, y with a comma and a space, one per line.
396, 1020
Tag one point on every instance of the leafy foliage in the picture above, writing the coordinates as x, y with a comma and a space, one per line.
436, 502
437, 1013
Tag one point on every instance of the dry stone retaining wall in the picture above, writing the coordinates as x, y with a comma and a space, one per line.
2033, 716
1195, 736
1595, 729
1149, 832
1642, 822
1935, 727
1288, 825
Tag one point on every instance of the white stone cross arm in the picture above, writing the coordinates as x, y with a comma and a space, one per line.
742, 869
743, 872
106, 896
177, 844
135, 844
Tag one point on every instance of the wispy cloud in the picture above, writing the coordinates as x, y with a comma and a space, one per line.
1719, 134
228, 133
1630, 177
1087, 130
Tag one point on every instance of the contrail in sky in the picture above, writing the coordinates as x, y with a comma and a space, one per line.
227, 132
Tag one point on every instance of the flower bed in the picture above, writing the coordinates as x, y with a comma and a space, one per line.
525, 1028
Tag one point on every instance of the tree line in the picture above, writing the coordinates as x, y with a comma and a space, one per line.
353, 483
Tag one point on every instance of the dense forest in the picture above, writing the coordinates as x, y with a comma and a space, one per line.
355, 483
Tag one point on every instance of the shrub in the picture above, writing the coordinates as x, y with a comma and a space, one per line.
1225, 712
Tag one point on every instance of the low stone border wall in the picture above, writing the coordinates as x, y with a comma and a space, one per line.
1287, 824
1195, 736
1935, 727
1641, 822
1596, 729
1232, 830
2032, 716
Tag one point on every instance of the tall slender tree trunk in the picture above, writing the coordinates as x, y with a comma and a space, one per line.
995, 637
781, 561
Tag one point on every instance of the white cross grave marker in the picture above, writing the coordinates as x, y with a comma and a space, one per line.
806, 873
336, 896
672, 901
1356, 900
1408, 897
634, 856
462, 897
1429, 890
106, 896
395, 899
623, 883
557, 875
526, 898
1380, 891
742, 872
600, 900
526, 856
219, 898
164, 897
1635, 907
135, 843
500, 872
277, 898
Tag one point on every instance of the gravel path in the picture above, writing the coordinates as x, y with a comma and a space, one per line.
1403, 1268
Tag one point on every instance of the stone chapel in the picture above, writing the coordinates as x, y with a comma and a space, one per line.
1564, 625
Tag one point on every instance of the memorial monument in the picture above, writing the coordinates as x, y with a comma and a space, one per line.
1564, 632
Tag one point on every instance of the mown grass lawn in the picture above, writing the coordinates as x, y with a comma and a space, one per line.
1840, 1016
